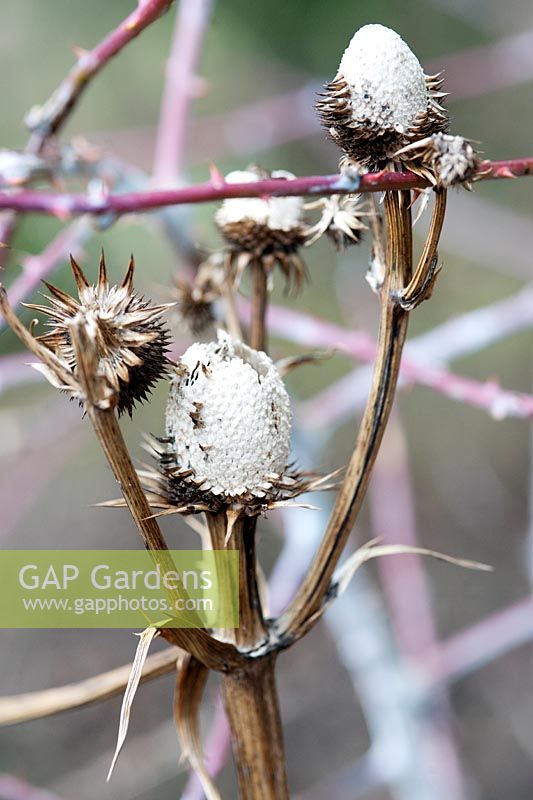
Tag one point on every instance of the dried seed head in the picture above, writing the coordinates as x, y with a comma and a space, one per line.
274, 213
128, 336
194, 312
270, 229
194, 300
341, 220
380, 99
443, 159
228, 420
387, 84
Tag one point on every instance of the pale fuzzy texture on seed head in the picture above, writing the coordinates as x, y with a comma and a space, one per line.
276, 213
229, 416
386, 81
454, 158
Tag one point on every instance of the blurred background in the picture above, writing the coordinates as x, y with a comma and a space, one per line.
418, 684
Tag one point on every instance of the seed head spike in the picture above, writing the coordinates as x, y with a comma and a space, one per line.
103, 284
62, 296
81, 281
127, 283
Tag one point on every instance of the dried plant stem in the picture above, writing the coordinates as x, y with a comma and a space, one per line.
378, 263
250, 695
99, 408
307, 605
228, 293
421, 284
35, 705
214, 654
239, 534
249, 692
232, 319
111, 440
259, 302
251, 702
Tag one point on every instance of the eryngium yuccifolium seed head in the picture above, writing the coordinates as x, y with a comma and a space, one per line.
443, 159
271, 229
380, 99
126, 331
194, 309
274, 213
228, 421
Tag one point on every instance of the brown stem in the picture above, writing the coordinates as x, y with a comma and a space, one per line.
421, 284
306, 607
251, 702
250, 695
259, 302
378, 261
238, 533
98, 403
214, 654
228, 293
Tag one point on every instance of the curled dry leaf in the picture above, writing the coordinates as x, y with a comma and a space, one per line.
286, 365
191, 678
145, 640
373, 550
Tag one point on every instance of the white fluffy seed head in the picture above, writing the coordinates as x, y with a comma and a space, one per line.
276, 213
386, 81
229, 418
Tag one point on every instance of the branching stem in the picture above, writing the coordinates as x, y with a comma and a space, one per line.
250, 695
214, 654
306, 607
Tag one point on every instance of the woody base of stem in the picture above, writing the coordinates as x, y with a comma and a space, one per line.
252, 708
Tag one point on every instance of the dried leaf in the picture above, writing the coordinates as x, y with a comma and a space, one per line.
191, 678
231, 517
373, 550
293, 504
286, 365
49, 374
145, 640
